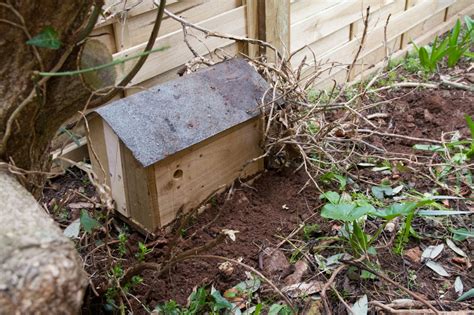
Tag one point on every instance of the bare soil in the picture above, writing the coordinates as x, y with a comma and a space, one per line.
426, 114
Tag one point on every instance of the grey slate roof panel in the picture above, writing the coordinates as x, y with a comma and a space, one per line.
173, 116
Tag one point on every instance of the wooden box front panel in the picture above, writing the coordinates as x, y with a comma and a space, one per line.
189, 177
108, 168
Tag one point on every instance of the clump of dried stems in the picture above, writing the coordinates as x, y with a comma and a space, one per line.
297, 128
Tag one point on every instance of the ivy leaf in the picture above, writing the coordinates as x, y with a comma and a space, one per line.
331, 196
394, 210
47, 38
346, 212
380, 192
88, 223
251, 285
278, 309
220, 301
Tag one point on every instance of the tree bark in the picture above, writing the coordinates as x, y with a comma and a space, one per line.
28, 124
40, 270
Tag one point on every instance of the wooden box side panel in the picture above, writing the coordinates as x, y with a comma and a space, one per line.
140, 192
186, 179
114, 171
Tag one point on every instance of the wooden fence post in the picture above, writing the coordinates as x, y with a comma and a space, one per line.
277, 26
252, 22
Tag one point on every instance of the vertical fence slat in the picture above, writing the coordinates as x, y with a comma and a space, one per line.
277, 25
252, 25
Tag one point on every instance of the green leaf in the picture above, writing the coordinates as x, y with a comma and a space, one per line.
469, 54
454, 54
361, 236
88, 223
462, 234
470, 123
169, 308
367, 275
453, 38
345, 212
469, 23
278, 309
197, 300
220, 302
428, 147
275, 309
331, 196
380, 192
467, 295
372, 251
335, 177
439, 52
424, 58
250, 285
47, 38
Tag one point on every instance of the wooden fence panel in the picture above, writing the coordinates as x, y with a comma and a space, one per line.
328, 30
177, 52
423, 39
398, 25
136, 30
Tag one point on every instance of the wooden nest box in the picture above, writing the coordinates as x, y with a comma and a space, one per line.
167, 149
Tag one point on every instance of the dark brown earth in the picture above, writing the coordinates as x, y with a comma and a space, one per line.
425, 114
262, 216
270, 210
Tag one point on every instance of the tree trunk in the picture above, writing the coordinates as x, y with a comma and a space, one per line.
40, 270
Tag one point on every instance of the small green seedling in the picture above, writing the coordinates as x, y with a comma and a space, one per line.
459, 46
352, 213
114, 275
309, 230
122, 238
430, 55
470, 123
114, 289
88, 223
334, 177
142, 251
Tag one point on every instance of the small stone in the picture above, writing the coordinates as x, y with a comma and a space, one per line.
428, 116
301, 268
275, 262
390, 227
226, 268
413, 254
